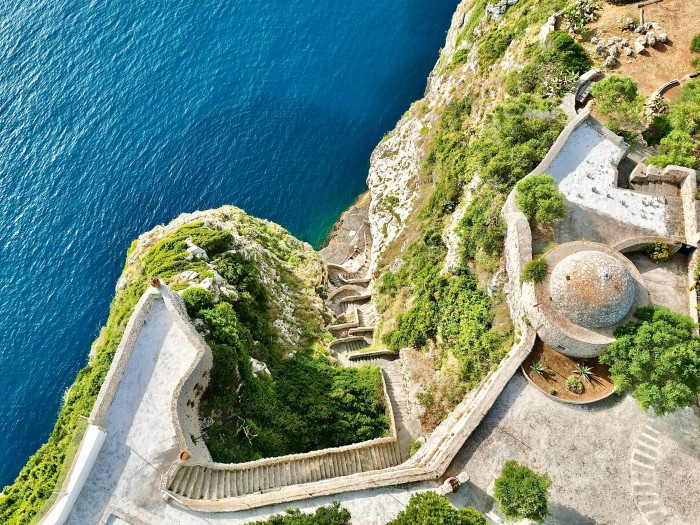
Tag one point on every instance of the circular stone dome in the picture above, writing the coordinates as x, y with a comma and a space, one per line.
593, 289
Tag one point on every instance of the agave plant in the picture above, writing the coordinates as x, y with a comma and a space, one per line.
585, 371
539, 368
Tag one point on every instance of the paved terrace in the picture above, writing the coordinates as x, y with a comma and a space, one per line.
123, 486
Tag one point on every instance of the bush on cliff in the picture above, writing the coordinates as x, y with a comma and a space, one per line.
552, 67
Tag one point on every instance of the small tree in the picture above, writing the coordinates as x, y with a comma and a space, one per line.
539, 198
695, 44
535, 270
618, 100
522, 492
657, 359
430, 508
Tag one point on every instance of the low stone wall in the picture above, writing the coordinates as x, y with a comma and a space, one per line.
689, 189
192, 384
381, 352
121, 356
693, 261
635, 244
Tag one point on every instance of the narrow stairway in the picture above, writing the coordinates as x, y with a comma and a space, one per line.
229, 481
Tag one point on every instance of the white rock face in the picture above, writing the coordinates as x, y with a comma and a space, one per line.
259, 367
121, 283
397, 161
195, 252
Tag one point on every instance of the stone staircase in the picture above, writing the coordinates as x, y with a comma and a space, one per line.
406, 424
219, 481
349, 344
656, 188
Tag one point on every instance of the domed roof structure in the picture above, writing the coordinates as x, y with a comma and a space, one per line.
593, 289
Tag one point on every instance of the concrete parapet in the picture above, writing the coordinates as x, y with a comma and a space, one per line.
90, 447
121, 356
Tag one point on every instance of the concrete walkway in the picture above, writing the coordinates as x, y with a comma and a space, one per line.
141, 440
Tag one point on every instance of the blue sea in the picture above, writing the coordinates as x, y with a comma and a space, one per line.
118, 116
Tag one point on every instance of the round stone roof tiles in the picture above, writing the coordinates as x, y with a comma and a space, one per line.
591, 288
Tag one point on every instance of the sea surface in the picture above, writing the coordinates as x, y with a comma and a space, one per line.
116, 116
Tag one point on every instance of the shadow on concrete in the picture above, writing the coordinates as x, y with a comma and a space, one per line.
563, 515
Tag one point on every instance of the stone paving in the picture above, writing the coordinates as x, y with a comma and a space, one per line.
667, 282
588, 453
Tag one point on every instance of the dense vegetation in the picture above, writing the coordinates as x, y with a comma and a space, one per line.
430, 508
551, 67
451, 312
332, 514
540, 200
308, 402
657, 359
522, 493
678, 132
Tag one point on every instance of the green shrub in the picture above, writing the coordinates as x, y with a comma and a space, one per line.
522, 493
540, 200
618, 100
657, 359
695, 44
460, 57
535, 270
332, 514
482, 227
430, 508
574, 384
659, 252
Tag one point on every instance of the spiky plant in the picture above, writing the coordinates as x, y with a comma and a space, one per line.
539, 368
585, 371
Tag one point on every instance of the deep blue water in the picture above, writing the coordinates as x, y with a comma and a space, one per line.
117, 116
